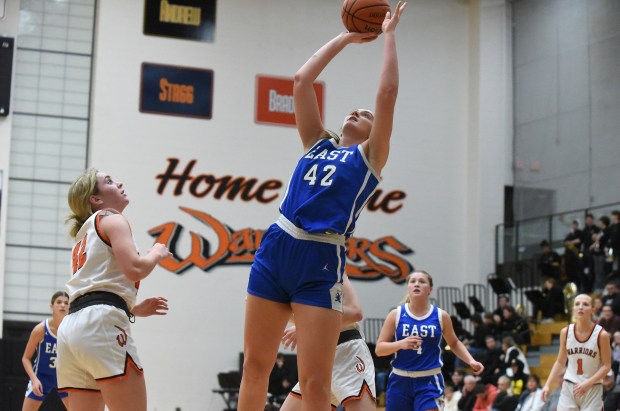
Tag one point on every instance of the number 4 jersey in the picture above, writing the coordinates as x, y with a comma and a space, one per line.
584, 357
329, 188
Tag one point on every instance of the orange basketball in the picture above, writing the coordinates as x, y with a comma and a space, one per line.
364, 16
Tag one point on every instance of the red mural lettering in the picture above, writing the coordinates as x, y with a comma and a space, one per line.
202, 185
366, 260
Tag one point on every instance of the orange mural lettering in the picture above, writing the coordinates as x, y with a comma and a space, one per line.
366, 259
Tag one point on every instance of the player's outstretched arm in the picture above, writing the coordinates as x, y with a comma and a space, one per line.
457, 347
307, 115
378, 145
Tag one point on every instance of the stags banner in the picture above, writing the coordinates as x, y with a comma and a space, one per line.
214, 243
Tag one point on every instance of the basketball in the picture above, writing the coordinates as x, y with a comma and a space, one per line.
364, 16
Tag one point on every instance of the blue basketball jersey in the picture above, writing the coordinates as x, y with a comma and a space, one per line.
45, 361
429, 328
329, 188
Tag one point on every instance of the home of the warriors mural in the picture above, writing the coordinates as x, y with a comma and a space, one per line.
367, 259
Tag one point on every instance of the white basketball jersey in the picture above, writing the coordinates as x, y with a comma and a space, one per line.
584, 357
95, 267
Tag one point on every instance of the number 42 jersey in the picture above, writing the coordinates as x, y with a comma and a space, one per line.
329, 188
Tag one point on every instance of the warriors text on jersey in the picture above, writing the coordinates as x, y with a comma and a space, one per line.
329, 188
584, 357
95, 267
429, 328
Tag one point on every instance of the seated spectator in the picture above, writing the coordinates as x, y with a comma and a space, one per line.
477, 346
489, 321
512, 352
485, 395
608, 320
611, 392
518, 380
515, 326
503, 301
612, 296
279, 381
554, 300
615, 352
452, 398
504, 401
493, 362
531, 399
458, 380
597, 307
468, 397
549, 262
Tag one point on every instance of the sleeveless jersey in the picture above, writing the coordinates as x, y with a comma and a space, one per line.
95, 267
429, 327
329, 188
584, 357
45, 362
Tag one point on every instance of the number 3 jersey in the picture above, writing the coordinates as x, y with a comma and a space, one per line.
584, 357
329, 188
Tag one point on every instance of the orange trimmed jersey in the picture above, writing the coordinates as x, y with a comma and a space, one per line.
584, 357
94, 265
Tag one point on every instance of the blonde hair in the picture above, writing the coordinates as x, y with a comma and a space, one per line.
78, 198
430, 281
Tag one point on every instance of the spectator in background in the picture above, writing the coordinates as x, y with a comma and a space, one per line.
612, 296
511, 353
477, 345
554, 299
485, 395
572, 255
452, 398
531, 399
608, 320
488, 320
503, 301
590, 232
611, 392
599, 253
515, 326
549, 262
493, 368
597, 307
468, 397
279, 380
614, 240
518, 380
615, 352
458, 379
504, 401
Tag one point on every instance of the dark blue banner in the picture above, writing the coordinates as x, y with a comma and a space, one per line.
177, 91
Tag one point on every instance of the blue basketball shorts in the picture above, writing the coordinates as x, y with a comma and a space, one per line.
298, 270
49, 385
414, 394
